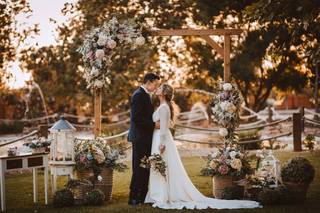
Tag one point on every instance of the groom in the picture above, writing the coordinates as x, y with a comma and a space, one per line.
140, 135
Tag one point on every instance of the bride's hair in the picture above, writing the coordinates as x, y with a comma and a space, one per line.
167, 92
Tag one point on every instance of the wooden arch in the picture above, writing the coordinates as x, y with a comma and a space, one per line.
205, 34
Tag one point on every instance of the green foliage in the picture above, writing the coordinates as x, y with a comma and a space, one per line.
63, 198
298, 170
11, 127
95, 197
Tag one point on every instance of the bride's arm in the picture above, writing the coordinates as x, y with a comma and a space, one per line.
164, 118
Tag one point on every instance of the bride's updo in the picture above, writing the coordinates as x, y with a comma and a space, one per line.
167, 92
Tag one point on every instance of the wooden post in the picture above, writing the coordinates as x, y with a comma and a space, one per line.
297, 132
97, 112
226, 58
316, 93
302, 118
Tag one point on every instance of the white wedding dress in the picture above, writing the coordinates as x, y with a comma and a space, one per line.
176, 191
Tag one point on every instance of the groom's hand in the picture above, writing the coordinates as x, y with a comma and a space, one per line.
157, 126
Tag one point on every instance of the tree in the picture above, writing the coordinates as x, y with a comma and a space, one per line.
256, 46
10, 36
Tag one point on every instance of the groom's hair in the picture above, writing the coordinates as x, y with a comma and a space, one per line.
150, 77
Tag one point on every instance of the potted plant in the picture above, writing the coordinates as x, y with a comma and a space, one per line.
96, 161
38, 145
297, 174
227, 165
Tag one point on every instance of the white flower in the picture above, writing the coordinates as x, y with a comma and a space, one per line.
120, 36
227, 87
102, 40
233, 154
111, 44
99, 54
224, 105
99, 178
98, 83
236, 164
94, 71
214, 155
223, 132
140, 41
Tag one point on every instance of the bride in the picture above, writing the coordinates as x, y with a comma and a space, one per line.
176, 191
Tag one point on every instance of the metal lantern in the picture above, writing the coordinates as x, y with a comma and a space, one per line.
62, 133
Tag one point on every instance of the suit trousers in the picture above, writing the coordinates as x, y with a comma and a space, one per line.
140, 176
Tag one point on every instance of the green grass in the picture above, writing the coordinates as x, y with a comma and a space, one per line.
19, 192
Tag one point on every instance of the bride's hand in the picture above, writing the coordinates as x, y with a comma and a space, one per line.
162, 148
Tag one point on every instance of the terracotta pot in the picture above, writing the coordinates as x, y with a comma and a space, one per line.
298, 190
220, 183
106, 184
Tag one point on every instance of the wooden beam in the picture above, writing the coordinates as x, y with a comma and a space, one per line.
226, 58
196, 32
213, 44
97, 112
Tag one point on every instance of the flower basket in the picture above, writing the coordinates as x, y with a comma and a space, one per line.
220, 183
39, 150
85, 174
106, 183
298, 190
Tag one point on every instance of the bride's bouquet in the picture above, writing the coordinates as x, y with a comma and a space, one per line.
154, 162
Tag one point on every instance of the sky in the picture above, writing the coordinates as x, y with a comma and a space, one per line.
43, 10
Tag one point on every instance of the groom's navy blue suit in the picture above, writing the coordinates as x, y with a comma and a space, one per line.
140, 135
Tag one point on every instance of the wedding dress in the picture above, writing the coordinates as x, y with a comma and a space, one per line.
176, 191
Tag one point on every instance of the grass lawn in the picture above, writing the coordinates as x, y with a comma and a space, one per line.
19, 192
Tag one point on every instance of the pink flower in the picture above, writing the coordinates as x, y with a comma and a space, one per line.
83, 158
223, 169
223, 158
89, 55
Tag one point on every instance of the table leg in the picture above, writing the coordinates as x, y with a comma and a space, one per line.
54, 182
35, 185
46, 185
2, 186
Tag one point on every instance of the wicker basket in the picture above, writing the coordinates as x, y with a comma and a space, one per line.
85, 175
105, 185
220, 183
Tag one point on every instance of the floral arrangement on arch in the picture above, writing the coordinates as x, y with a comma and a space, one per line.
100, 45
94, 154
225, 108
228, 161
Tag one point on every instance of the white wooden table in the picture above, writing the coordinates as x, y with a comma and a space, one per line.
24, 161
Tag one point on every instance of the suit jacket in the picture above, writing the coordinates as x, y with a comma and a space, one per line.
141, 123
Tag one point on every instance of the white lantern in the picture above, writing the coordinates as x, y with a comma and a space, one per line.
61, 150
